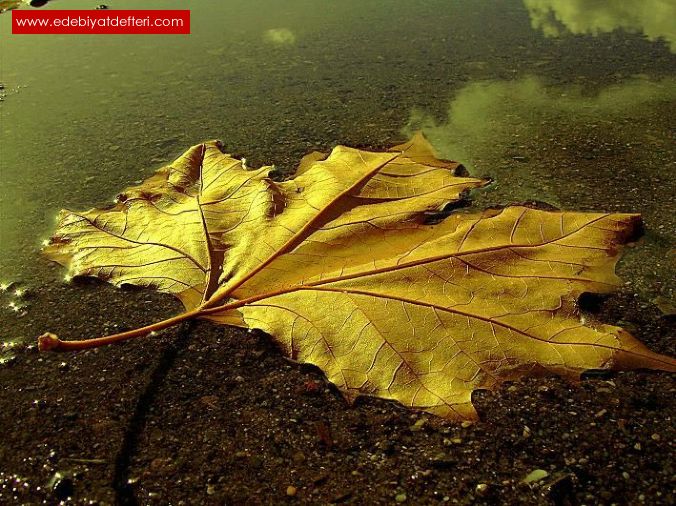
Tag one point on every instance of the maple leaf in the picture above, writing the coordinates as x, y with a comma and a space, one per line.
344, 267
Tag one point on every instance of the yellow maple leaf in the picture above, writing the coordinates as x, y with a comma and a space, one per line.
344, 268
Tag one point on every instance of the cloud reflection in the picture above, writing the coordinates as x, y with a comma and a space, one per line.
280, 37
654, 18
487, 119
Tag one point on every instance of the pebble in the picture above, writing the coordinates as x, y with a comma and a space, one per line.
535, 476
400, 497
291, 491
561, 488
482, 488
62, 487
443, 461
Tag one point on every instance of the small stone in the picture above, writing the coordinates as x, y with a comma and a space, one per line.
637, 446
209, 401
466, 424
63, 487
666, 305
298, 457
535, 476
400, 497
291, 491
211, 490
342, 497
311, 387
561, 488
601, 413
71, 415
443, 461
160, 465
321, 479
8, 360
625, 475
418, 425
655, 437
482, 488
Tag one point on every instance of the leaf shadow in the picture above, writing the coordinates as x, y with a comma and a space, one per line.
124, 492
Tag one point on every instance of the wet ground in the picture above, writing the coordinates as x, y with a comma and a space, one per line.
569, 112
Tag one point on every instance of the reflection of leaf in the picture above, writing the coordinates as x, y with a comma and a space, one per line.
344, 268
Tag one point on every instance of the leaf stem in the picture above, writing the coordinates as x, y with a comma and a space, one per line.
51, 342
